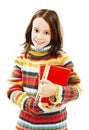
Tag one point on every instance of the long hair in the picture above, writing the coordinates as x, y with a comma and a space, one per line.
51, 17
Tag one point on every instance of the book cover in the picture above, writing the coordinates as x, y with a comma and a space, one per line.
55, 73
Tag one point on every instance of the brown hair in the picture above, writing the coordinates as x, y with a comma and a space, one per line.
51, 17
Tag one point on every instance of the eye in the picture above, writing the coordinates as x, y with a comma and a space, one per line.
46, 33
36, 30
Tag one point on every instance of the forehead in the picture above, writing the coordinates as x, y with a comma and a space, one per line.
41, 23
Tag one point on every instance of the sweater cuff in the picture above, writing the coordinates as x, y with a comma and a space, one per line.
57, 97
21, 99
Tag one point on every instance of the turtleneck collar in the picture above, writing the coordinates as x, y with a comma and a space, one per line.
39, 53
40, 50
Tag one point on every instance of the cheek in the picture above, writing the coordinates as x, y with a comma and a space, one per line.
33, 36
49, 39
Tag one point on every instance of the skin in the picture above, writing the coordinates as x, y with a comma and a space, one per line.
41, 37
41, 34
46, 88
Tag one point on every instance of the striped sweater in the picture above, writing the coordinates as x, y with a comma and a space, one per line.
24, 86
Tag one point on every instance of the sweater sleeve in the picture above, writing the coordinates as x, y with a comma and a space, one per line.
16, 92
73, 90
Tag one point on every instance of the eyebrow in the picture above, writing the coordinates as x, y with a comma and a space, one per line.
47, 30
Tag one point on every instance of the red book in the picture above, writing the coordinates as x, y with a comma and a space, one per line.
55, 73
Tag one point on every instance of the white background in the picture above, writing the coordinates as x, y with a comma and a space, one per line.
14, 18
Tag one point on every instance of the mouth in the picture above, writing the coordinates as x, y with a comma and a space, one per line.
39, 42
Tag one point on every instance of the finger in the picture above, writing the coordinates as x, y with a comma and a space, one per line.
42, 81
47, 82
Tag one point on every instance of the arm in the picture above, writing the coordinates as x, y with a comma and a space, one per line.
72, 91
67, 93
16, 92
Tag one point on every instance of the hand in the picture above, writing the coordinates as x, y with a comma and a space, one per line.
46, 88
48, 106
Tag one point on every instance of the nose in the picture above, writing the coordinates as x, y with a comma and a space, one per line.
40, 36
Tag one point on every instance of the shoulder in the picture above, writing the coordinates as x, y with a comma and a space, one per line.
63, 54
65, 58
19, 59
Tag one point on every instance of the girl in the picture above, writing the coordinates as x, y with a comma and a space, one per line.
43, 45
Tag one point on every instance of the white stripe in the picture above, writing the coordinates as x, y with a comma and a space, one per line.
29, 125
60, 93
30, 69
68, 60
30, 91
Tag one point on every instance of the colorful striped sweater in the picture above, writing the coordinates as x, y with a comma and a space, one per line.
24, 86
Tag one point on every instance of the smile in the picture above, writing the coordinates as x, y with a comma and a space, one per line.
39, 42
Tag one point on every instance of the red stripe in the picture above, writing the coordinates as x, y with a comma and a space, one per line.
44, 119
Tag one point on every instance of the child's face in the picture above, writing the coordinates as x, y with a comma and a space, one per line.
41, 33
